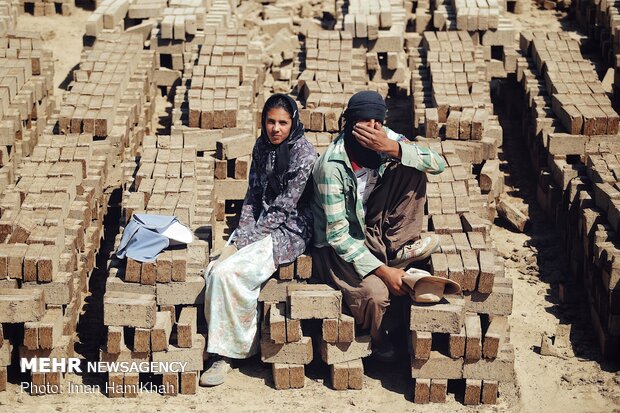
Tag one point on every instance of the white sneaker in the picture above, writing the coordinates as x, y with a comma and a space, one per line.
216, 373
416, 251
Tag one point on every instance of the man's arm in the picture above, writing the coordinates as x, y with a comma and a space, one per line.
329, 189
409, 153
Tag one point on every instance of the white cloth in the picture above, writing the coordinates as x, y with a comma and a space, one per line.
231, 299
362, 179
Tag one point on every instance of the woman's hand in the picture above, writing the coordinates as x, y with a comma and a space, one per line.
374, 138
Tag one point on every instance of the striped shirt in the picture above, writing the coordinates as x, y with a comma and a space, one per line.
338, 211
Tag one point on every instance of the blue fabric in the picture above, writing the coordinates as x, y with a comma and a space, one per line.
142, 238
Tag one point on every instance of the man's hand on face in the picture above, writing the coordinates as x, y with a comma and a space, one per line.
392, 278
370, 135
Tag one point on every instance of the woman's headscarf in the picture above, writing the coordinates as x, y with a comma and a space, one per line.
279, 157
363, 105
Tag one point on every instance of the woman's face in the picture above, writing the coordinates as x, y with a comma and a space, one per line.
278, 125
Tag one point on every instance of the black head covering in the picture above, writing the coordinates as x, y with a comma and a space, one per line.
363, 105
279, 156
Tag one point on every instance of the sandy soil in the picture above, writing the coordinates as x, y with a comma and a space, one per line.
534, 261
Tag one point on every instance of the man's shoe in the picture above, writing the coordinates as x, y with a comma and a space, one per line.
385, 354
216, 373
416, 251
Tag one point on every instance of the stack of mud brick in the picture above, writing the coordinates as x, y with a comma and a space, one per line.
232, 166
600, 21
334, 71
108, 16
593, 208
291, 309
152, 309
51, 227
47, 7
483, 19
462, 338
572, 133
223, 83
25, 98
378, 28
286, 60
451, 93
183, 20
8, 16
112, 95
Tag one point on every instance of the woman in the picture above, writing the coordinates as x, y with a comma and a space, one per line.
275, 227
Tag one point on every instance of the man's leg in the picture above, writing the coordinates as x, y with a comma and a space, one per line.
395, 210
366, 298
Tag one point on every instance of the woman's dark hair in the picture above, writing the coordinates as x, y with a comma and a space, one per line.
277, 101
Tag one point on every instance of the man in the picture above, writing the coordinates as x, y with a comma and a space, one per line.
369, 195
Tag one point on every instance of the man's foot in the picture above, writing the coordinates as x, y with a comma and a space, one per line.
216, 373
385, 353
416, 251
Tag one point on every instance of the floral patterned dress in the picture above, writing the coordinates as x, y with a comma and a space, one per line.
273, 230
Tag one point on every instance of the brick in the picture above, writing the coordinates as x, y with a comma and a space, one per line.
498, 302
346, 329
133, 271
333, 353
281, 376
487, 271
127, 309
115, 339
439, 389
494, 336
233, 147
489, 392
299, 352
330, 330
160, 334
3, 378
439, 318
421, 342
190, 292
115, 385
286, 271
277, 323
452, 124
422, 391
297, 376
131, 382
315, 304
193, 356
339, 374
471, 270
142, 340
473, 337
447, 224
455, 268
170, 381
472, 392
439, 265
187, 327
303, 267
293, 330
500, 368
437, 366
51, 328
275, 290
189, 382
456, 344
179, 266
356, 374
148, 274
20, 306
31, 335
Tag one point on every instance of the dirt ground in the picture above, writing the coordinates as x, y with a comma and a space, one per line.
534, 260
